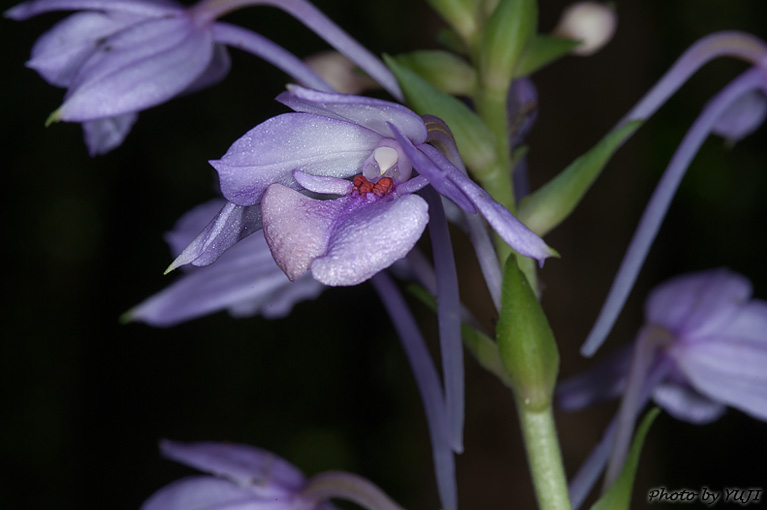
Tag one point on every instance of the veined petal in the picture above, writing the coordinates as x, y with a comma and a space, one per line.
373, 114
103, 135
344, 241
269, 153
142, 66
231, 224
58, 54
697, 303
750, 323
143, 7
370, 238
684, 403
268, 475
728, 371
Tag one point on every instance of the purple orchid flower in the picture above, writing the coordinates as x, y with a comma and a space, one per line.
704, 347
245, 280
248, 478
118, 57
376, 218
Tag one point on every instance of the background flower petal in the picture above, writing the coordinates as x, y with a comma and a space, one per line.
209, 493
103, 135
245, 280
729, 371
58, 54
697, 303
144, 7
684, 403
142, 66
268, 475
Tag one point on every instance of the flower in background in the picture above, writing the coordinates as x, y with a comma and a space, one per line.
118, 57
248, 478
703, 348
374, 219
244, 281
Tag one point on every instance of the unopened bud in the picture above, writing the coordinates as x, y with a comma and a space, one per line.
592, 23
340, 73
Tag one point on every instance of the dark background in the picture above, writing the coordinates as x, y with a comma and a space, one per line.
85, 399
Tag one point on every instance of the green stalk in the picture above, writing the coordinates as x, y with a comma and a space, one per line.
544, 458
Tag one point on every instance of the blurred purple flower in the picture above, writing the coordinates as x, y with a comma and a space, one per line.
248, 478
118, 57
245, 280
704, 347
376, 218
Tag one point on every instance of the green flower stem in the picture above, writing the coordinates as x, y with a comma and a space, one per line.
496, 177
544, 457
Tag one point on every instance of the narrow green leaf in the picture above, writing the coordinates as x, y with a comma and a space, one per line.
525, 341
461, 15
446, 71
507, 32
618, 497
475, 140
540, 51
549, 205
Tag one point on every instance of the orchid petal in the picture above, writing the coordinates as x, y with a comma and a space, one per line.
267, 474
245, 280
727, 370
684, 403
523, 240
208, 493
103, 135
749, 324
697, 303
449, 320
744, 117
428, 384
344, 241
373, 114
269, 153
188, 226
142, 66
371, 238
605, 381
427, 168
660, 200
231, 224
32, 8
279, 57
323, 184
218, 67
60, 52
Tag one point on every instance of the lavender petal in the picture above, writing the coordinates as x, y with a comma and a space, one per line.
428, 384
141, 66
279, 57
660, 201
103, 135
231, 224
373, 114
269, 153
449, 319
